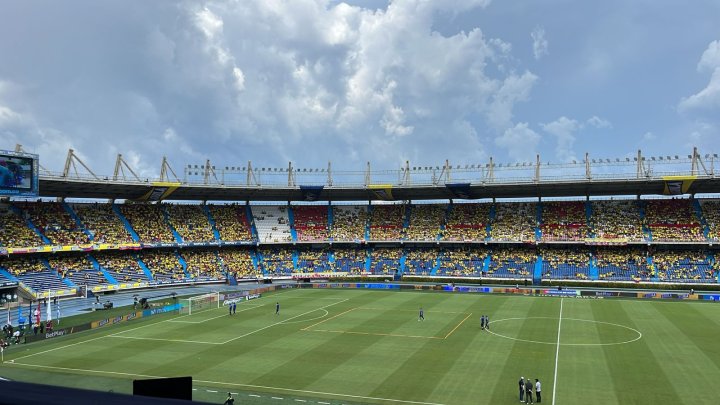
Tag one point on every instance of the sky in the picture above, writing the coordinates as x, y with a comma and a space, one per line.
312, 81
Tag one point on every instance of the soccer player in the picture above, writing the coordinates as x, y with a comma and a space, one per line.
230, 400
487, 322
482, 322
230, 308
277, 308
421, 317
234, 305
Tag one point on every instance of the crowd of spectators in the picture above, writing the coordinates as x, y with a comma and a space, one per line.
684, 266
350, 260
121, 265
51, 219
512, 262
420, 261
191, 222
311, 222
463, 261
673, 220
148, 221
425, 222
203, 264
566, 263
163, 265
102, 223
17, 265
563, 221
313, 260
237, 261
14, 232
514, 222
277, 260
386, 222
622, 264
616, 220
467, 222
711, 212
232, 223
385, 260
349, 222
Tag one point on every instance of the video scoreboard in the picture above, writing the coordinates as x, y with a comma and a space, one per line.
19, 172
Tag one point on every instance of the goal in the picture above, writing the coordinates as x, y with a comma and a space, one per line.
200, 303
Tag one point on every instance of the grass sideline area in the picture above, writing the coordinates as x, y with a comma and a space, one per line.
367, 346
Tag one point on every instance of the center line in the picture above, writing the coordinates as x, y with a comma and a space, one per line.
557, 352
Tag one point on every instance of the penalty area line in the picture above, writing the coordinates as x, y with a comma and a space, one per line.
557, 352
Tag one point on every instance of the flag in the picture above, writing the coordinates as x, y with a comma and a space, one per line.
8, 320
48, 317
37, 314
57, 312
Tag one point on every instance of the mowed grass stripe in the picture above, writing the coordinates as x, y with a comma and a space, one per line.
527, 359
636, 365
698, 328
584, 372
428, 360
688, 367
303, 371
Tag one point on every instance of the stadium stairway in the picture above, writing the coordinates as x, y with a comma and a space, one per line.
67, 281
126, 223
537, 271
368, 260
488, 227
144, 268
448, 212
30, 225
331, 258
402, 262
367, 225
406, 220
295, 260
291, 219
538, 221
588, 218
330, 220
701, 218
174, 231
251, 220
438, 262
77, 220
183, 263
8, 276
593, 270
99, 268
211, 220
645, 229
486, 264
651, 265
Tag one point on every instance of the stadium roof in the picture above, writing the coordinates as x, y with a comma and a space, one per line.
108, 189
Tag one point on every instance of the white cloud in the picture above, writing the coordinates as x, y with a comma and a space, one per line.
649, 136
563, 129
540, 44
520, 142
707, 99
598, 122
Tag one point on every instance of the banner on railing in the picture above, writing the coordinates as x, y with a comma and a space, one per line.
381, 191
311, 193
460, 190
676, 185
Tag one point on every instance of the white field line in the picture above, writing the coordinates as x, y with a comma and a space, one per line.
332, 394
278, 323
164, 340
325, 320
246, 308
557, 352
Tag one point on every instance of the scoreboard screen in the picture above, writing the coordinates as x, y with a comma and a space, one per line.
19, 174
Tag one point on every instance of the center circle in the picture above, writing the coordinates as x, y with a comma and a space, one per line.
637, 334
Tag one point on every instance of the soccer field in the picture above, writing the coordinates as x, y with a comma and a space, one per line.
363, 346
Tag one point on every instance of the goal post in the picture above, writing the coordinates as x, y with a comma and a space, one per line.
200, 303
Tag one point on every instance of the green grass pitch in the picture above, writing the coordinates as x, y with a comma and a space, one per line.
363, 346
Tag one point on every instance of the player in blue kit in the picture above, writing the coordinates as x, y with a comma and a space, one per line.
421, 317
277, 308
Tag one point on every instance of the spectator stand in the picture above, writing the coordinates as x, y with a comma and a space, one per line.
563, 221
684, 266
463, 261
513, 262
351, 260
81, 226
711, 216
101, 223
15, 231
623, 264
211, 221
310, 260
420, 261
169, 222
386, 261
126, 223
272, 222
565, 263
311, 223
277, 261
467, 222
673, 220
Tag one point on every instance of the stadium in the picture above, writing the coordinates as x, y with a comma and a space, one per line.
345, 202
351, 276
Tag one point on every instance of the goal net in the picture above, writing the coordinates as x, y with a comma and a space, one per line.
200, 303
